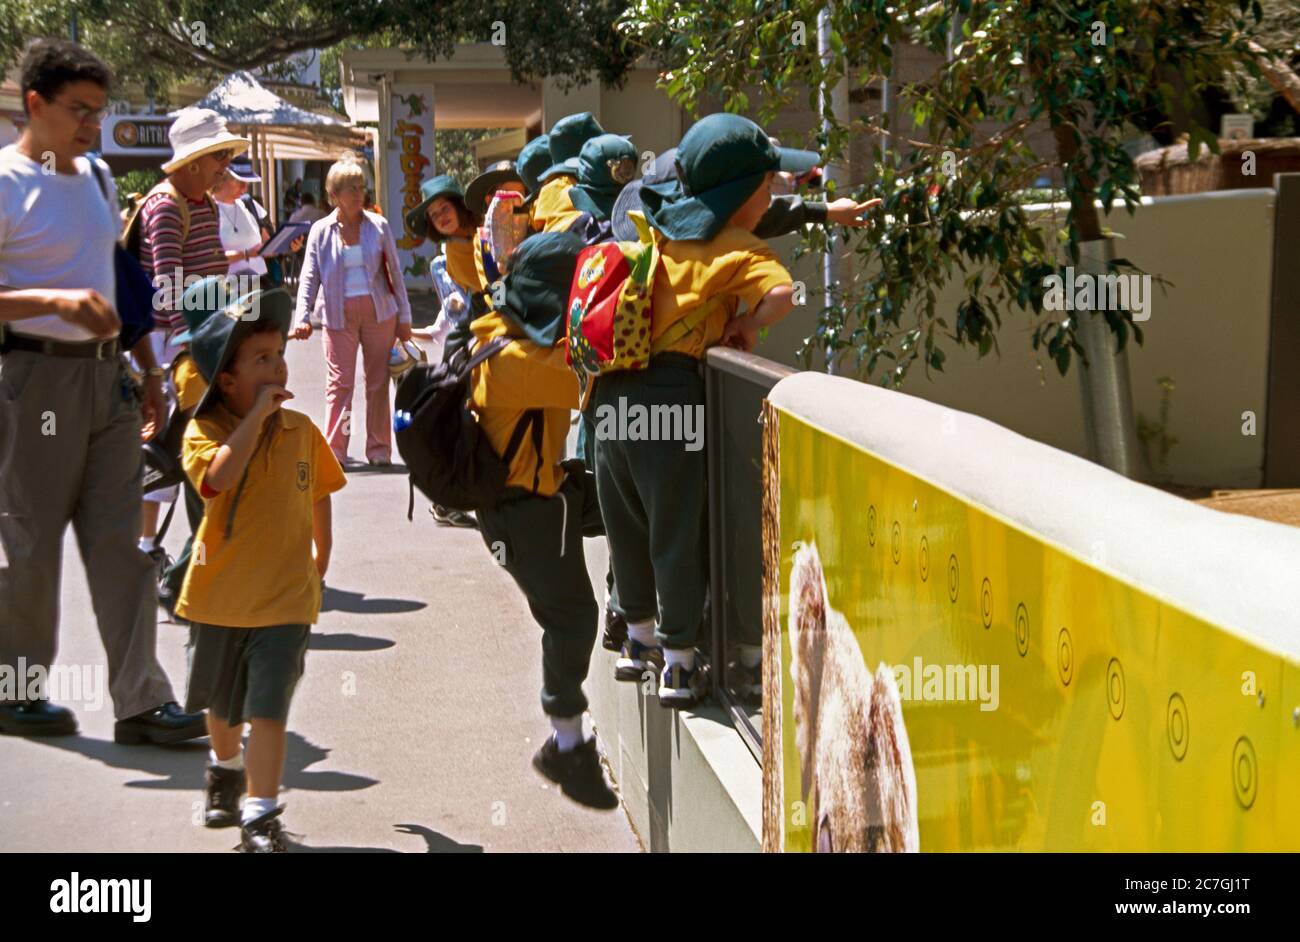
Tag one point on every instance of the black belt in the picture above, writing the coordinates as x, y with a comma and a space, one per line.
92, 349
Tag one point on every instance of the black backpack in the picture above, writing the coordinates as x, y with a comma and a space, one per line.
447, 454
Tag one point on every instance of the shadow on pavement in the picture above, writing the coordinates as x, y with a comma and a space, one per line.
340, 600
435, 843
347, 641
181, 766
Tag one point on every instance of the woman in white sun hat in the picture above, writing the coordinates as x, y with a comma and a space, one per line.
178, 238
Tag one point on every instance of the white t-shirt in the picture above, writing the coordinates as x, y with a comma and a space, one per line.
56, 231
239, 231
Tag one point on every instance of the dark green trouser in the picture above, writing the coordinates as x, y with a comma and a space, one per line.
175, 574
539, 542
652, 495
587, 452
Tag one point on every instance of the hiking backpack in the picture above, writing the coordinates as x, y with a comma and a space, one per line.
446, 452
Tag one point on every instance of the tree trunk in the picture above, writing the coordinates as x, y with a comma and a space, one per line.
1278, 74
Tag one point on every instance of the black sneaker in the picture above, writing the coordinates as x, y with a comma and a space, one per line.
161, 725
161, 561
263, 835
224, 788
615, 631
636, 660
36, 718
446, 517
578, 772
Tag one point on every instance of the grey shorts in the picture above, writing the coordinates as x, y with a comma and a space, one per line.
240, 674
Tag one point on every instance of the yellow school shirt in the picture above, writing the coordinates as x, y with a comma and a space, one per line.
553, 211
462, 266
263, 573
733, 266
524, 376
189, 382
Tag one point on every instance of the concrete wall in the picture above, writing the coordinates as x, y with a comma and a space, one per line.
1209, 332
688, 781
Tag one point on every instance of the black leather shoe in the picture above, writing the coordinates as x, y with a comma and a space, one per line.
161, 725
224, 788
615, 631
578, 772
36, 718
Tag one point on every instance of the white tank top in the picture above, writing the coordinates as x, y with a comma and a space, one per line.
354, 267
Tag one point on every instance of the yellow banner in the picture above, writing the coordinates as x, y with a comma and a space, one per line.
951, 682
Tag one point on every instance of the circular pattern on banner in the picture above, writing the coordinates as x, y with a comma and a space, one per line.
925, 559
986, 603
952, 578
1245, 772
896, 543
1064, 656
1022, 629
1115, 687
871, 525
1177, 726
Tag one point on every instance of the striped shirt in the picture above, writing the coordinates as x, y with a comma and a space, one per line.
169, 263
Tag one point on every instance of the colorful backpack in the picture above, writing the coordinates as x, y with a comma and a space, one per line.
610, 311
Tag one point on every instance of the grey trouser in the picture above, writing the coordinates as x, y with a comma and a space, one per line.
70, 452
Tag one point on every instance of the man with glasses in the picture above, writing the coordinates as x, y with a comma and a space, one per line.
70, 416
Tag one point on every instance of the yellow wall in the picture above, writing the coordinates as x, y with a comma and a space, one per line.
1030, 774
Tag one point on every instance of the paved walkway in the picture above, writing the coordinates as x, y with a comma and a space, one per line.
412, 729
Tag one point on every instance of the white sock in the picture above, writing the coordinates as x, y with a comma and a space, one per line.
685, 657
642, 631
255, 808
569, 732
751, 655
234, 762
146, 544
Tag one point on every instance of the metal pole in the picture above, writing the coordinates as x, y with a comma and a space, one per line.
1107, 394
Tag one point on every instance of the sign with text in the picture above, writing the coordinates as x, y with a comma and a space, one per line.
133, 135
410, 161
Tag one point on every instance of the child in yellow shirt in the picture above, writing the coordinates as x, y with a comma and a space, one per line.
253, 588
523, 396
649, 445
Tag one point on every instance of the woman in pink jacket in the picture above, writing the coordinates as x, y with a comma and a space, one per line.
352, 282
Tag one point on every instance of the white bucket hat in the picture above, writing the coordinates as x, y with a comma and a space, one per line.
198, 131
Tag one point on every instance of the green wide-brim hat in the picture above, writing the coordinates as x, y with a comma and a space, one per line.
201, 300
721, 161
606, 164
442, 185
480, 190
215, 341
566, 139
537, 285
533, 161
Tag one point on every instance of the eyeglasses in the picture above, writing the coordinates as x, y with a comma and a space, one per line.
224, 156
83, 113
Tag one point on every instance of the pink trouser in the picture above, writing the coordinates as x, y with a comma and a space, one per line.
376, 340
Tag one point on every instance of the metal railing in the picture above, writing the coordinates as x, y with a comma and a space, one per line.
735, 386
